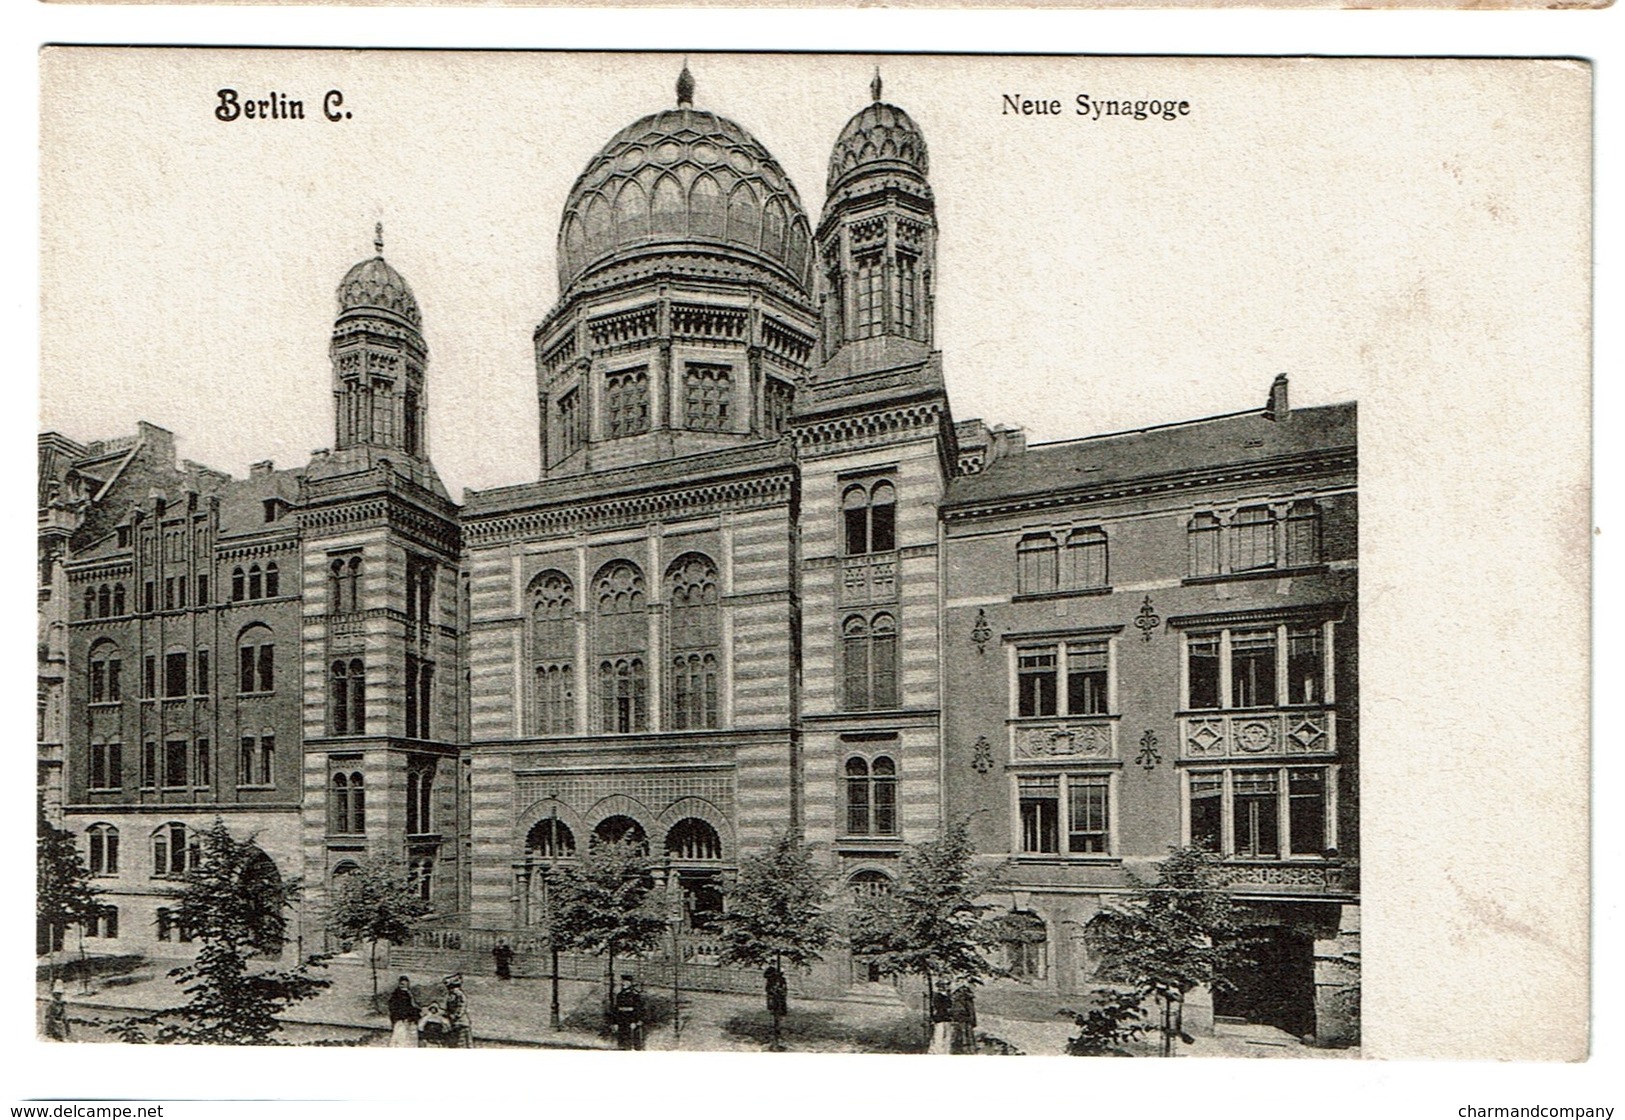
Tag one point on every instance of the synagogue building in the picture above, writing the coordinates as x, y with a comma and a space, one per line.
765, 580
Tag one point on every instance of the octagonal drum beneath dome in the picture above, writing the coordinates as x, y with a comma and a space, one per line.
683, 177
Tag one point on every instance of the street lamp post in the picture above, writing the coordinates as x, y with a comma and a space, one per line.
547, 899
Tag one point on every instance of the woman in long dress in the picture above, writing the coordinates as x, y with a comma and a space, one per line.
403, 1015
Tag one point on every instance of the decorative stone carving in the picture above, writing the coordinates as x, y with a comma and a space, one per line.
981, 633
867, 579
1257, 735
1070, 740
1266, 733
1147, 620
981, 759
1149, 756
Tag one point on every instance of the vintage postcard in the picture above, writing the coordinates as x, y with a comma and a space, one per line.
836, 553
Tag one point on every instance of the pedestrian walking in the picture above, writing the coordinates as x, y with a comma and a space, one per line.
504, 958
459, 1028
56, 1016
403, 1015
628, 1015
941, 1010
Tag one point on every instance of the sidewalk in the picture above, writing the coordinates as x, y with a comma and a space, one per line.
515, 1013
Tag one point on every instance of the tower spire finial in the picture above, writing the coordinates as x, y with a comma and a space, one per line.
378, 238
874, 86
685, 86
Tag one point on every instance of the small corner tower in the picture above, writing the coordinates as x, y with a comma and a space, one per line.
379, 358
877, 243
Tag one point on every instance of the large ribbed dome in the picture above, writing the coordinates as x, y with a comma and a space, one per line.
683, 179
375, 285
881, 137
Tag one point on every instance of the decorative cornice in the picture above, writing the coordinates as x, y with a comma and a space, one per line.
737, 494
865, 426
1333, 610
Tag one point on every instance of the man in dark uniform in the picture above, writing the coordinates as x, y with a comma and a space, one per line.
504, 958
778, 1002
628, 1011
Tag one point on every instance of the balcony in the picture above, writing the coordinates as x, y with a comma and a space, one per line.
868, 579
1063, 738
1308, 878
1258, 734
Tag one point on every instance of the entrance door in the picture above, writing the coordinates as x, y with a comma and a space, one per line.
1278, 986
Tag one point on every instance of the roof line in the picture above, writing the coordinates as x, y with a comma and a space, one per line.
1179, 424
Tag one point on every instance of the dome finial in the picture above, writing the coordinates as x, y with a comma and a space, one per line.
378, 238
874, 86
685, 86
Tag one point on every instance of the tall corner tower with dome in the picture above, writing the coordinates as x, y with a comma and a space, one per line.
381, 627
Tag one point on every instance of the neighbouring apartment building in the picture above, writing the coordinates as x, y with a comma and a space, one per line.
764, 581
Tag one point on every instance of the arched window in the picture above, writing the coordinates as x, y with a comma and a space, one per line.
695, 630
869, 662
550, 838
174, 850
1085, 564
104, 601
1202, 537
1037, 564
237, 585
256, 582
347, 803
90, 602
106, 673
552, 647
420, 873
871, 796
1025, 939
692, 838
347, 696
620, 641
1303, 535
343, 583
419, 801
620, 829
256, 660
103, 840
869, 516
272, 580
118, 598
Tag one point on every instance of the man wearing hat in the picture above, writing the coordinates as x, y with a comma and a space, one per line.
56, 1016
628, 1011
459, 1031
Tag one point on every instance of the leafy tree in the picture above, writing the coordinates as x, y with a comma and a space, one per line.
1116, 1018
375, 902
64, 894
930, 924
234, 902
604, 903
1169, 936
776, 916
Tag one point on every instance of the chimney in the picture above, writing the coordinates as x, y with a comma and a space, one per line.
263, 467
1006, 441
1277, 408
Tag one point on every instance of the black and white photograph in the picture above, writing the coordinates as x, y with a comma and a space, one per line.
840, 554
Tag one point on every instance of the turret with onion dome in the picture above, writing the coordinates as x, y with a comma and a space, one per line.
379, 358
684, 320
877, 243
